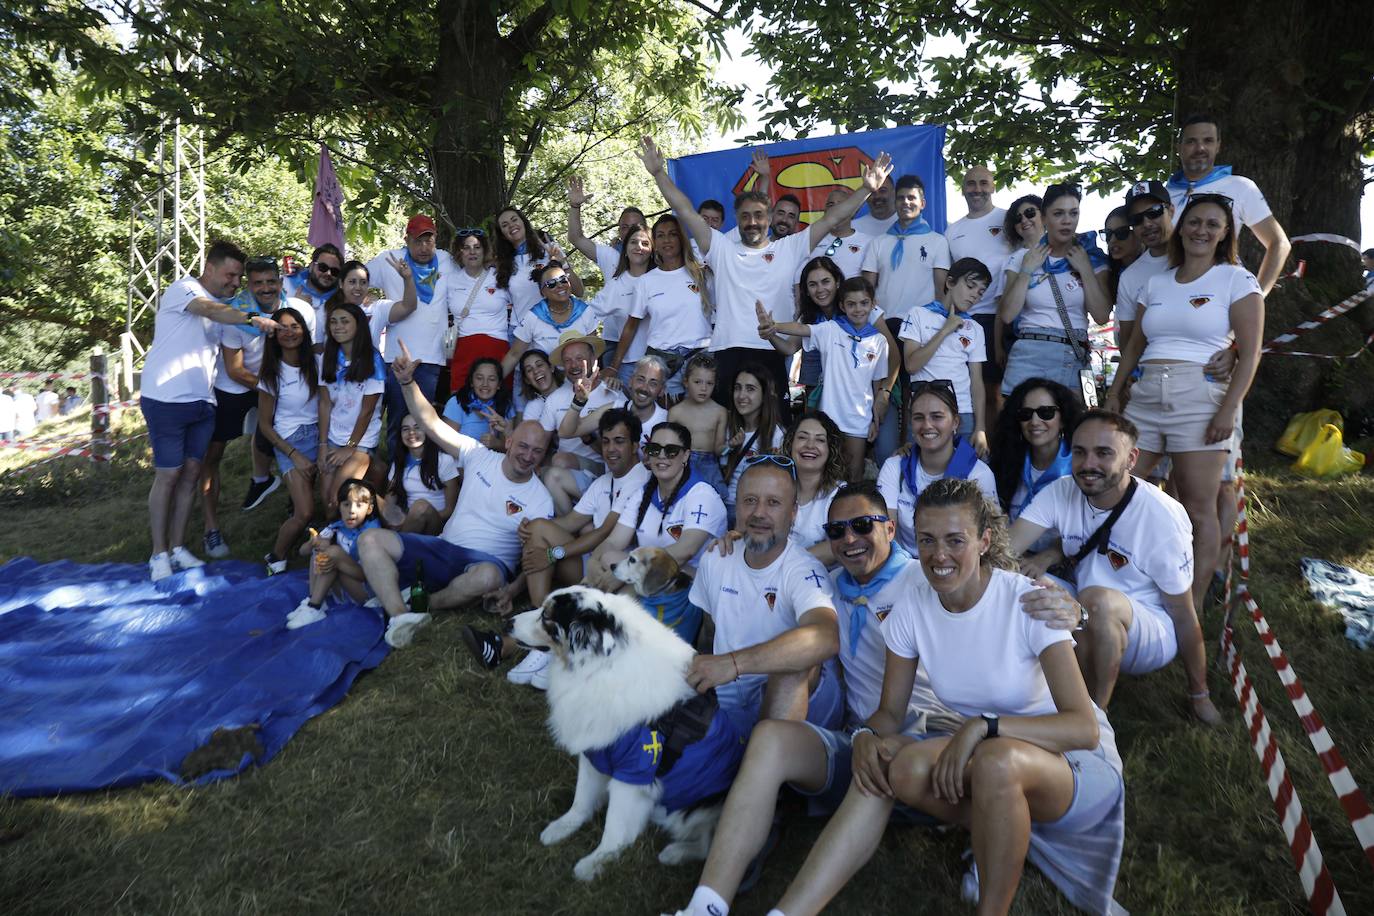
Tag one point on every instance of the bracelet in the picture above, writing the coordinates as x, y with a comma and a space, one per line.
862, 729
734, 661
579, 404
292, 453
1203, 695
409, 381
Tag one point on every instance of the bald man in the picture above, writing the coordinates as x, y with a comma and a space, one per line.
479, 549
980, 235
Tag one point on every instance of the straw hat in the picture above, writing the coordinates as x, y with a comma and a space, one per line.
572, 335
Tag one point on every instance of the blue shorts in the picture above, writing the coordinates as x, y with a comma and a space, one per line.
179, 432
742, 699
443, 561
1041, 359
965, 424
306, 440
706, 465
839, 772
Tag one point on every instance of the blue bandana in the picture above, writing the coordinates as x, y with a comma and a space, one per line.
856, 335
1178, 182
1061, 466
918, 227
960, 464
541, 311
247, 303
858, 594
691, 481
425, 277
1054, 265
937, 308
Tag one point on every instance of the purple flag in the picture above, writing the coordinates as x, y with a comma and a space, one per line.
326, 219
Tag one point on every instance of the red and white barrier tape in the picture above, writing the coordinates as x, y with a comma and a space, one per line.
1317, 321
80, 450
114, 405
54, 376
1327, 237
1348, 792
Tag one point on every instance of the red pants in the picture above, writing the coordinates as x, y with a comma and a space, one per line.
468, 351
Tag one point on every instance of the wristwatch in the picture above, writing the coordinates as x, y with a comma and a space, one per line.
557, 553
248, 317
991, 719
1082, 619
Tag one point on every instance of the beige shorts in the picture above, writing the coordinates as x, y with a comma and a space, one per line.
1172, 404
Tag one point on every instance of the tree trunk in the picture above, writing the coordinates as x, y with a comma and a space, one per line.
1295, 128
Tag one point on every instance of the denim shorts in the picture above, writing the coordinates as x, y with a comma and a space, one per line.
179, 432
1041, 359
306, 440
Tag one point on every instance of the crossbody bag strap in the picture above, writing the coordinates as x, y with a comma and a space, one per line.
1080, 352
1098, 540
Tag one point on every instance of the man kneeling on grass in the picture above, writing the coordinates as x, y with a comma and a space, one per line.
479, 547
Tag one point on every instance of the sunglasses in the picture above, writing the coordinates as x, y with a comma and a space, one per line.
1220, 200
261, 262
861, 524
920, 388
1023, 414
326, 269
1028, 213
555, 282
654, 449
478, 233
1155, 212
1119, 234
782, 461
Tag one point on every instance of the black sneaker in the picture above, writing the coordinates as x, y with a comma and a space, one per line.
257, 492
485, 646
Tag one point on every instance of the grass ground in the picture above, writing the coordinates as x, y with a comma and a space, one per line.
425, 790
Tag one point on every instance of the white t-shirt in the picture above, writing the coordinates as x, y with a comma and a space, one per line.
670, 302
1247, 201
541, 335
955, 356
297, 405
745, 275
1150, 551
912, 284
809, 528
534, 408
871, 226
180, 365
1039, 310
490, 311
233, 337
47, 404
1191, 321
980, 237
416, 489
560, 402
1130, 286
6, 413
902, 501
751, 606
616, 299
422, 330
698, 508
851, 367
346, 402
525, 293
864, 664
847, 253
25, 411
491, 506
985, 659
775, 443
598, 500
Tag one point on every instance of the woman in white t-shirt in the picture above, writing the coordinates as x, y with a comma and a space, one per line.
478, 307
752, 426
539, 380
616, 300
558, 312
814, 445
353, 378
1205, 302
1052, 342
937, 451
354, 285
424, 482
675, 510
519, 251
1033, 772
289, 417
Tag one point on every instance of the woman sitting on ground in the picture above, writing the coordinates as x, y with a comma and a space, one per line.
424, 483
479, 401
753, 425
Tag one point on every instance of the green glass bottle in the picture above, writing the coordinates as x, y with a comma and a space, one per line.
419, 596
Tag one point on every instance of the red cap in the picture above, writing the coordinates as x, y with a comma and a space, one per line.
419, 224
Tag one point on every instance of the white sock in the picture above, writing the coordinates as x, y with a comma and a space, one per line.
706, 902
776, 912
263, 479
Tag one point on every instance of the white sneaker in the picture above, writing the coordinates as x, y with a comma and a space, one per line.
533, 664
274, 567
540, 679
183, 559
159, 566
401, 629
968, 885
304, 615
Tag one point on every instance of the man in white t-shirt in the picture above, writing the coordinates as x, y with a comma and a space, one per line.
317, 282
908, 263
882, 210
178, 399
47, 402
776, 631
1198, 144
6, 413
423, 330
645, 388
753, 269
25, 412
479, 548
1150, 213
979, 235
1135, 582
576, 463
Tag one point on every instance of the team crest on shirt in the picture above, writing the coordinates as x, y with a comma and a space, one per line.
491, 291
1117, 560
771, 597
854, 249
513, 507
1198, 302
675, 532
882, 612
693, 287
872, 356
768, 256
965, 341
994, 231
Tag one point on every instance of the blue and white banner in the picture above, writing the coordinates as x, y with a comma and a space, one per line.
813, 167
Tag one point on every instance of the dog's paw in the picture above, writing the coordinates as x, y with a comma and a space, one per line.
558, 831
588, 867
678, 853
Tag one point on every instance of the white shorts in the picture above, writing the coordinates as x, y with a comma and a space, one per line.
1150, 641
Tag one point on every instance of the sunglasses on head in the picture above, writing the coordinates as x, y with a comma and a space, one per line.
861, 524
261, 262
1220, 200
478, 233
920, 388
1119, 234
782, 461
1027, 213
1155, 212
1049, 412
654, 449
554, 282
326, 269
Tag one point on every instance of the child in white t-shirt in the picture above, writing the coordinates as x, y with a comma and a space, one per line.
854, 363
941, 341
334, 554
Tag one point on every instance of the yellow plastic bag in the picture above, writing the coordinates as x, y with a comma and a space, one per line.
1327, 456
1304, 428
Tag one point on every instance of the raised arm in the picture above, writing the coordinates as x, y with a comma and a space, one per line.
448, 438
654, 163
872, 180
220, 313
404, 307
576, 237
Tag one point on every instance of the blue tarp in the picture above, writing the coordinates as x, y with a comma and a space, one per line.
108, 680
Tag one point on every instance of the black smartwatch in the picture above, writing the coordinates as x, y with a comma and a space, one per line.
991, 720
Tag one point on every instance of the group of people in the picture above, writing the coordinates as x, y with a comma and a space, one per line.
721, 399
21, 411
